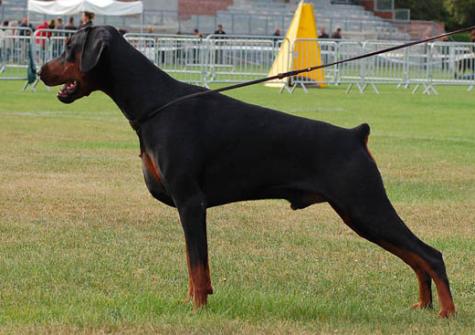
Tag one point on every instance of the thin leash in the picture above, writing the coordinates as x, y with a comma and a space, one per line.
136, 123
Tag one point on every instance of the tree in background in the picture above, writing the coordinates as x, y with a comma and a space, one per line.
462, 12
425, 10
454, 13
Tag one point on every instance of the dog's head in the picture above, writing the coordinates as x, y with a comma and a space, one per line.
78, 67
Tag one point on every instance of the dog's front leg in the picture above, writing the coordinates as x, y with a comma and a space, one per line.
192, 210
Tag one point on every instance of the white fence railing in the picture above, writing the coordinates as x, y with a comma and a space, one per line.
228, 59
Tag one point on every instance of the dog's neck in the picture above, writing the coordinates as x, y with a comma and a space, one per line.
136, 85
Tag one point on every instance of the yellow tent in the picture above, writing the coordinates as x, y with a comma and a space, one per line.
301, 37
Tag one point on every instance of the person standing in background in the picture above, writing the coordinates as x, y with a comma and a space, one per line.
219, 55
197, 33
71, 25
220, 30
59, 23
337, 34
24, 23
86, 19
323, 33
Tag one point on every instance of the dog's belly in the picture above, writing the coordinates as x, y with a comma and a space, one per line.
300, 185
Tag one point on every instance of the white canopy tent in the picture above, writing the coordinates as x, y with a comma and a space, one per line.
100, 7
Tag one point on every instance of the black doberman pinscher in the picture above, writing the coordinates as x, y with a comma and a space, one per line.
212, 150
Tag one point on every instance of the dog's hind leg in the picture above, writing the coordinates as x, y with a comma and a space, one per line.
388, 231
365, 208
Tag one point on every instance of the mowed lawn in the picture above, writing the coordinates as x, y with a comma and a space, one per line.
85, 249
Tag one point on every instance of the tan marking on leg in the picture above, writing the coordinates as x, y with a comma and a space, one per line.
201, 285
446, 302
425, 294
447, 307
190, 281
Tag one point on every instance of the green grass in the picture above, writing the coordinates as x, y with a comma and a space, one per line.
85, 249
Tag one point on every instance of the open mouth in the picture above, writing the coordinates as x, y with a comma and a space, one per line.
67, 92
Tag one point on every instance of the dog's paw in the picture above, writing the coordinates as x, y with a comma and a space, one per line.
447, 313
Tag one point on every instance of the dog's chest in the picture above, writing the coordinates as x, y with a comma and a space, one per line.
150, 167
153, 176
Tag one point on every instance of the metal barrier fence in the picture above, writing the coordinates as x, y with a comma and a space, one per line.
184, 57
426, 65
14, 48
208, 60
16, 44
229, 59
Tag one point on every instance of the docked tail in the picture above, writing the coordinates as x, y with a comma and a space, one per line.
362, 132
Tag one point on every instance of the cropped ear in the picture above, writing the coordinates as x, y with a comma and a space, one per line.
96, 42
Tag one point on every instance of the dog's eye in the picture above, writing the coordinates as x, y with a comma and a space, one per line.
68, 51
